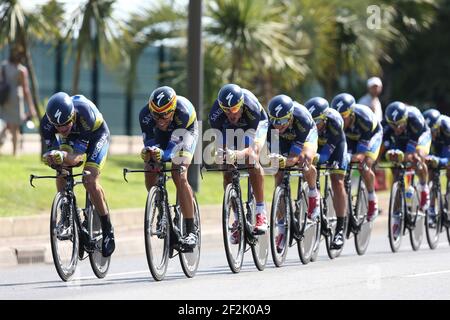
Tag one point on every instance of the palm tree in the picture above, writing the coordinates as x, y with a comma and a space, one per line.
257, 36
18, 27
52, 16
96, 33
161, 21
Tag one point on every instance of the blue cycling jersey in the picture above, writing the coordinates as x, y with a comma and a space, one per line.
88, 119
185, 117
252, 114
298, 132
440, 146
416, 127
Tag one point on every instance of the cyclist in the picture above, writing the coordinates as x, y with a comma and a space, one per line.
170, 131
408, 133
296, 132
440, 148
237, 110
81, 131
333, 150
364, 137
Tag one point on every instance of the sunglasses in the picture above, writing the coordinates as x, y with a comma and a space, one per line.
162, 116
280, 121
233, 109
396, 124
65, 124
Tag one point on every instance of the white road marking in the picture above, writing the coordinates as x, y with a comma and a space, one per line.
426, 274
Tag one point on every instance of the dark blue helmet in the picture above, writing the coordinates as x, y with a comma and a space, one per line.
281, 108
317, 107
432, 118
163, 100
60, 109
231, 98
396, 113
445, 125
342, 103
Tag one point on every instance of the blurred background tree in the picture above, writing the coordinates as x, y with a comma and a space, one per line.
298, 47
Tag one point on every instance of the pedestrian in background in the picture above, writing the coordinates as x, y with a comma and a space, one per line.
12, 111
374, 87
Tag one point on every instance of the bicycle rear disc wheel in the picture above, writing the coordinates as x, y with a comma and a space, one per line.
260, 248
396, 217
332, 224
190, 260
433, 233
233, 228
280, 225
157, 239
362, 238
310, 229
64, 237
416, 233
99, 263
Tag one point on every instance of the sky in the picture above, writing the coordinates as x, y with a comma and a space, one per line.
122, 7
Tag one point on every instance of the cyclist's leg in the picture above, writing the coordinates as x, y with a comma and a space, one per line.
96, 154
256, 177
421, 152
307, 155
150, 178
182, 159
184, 191
339, 156
368, 173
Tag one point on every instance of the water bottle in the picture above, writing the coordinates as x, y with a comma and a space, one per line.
409, 196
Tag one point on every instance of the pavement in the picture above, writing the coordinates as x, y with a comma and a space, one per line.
25, 240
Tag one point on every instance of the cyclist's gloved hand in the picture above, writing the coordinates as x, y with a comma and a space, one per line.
45, 158
433, 161
316, 159
395, 155
145, 154
281, 160
156, 153
230, 156
53, 157
58, 157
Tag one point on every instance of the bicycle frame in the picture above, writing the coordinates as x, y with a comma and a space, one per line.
172, 220
296, 234
235, 181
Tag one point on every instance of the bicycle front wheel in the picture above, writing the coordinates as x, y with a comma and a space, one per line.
433, 228
362, 238
396, 217
64, 236
99, 263
233, 228
332, 224
157, 233
280, 225
190, 260
418, 222
309, 229
260, 247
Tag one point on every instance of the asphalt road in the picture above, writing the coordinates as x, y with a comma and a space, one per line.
379, 274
